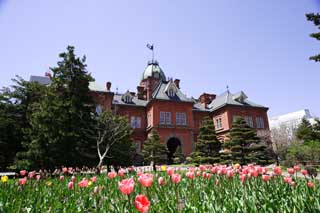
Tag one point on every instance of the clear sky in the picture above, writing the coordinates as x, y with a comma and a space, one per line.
260, 47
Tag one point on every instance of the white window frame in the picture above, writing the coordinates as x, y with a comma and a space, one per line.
133, 122
171, 92
162, 118
260, 123
181, 119
168, 118
138, 122
218, 124
249, 120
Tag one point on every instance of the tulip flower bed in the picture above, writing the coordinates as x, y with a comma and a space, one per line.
196, 189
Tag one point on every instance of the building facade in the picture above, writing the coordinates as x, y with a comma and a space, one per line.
158, 103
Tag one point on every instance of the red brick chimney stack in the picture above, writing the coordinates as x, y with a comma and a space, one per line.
177, 83
206, 98
140, 92
108, 86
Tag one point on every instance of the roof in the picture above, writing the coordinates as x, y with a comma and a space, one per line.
153, 67
117, 99
228, 98
161, 94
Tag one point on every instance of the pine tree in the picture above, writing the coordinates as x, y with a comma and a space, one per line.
178, 156
207, 146
315, 18
305, 131
153, 150
243, 145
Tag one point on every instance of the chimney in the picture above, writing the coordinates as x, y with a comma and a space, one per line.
140, 92
206, 98
177, 83
108, 86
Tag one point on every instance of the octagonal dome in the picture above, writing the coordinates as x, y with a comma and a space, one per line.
153, 69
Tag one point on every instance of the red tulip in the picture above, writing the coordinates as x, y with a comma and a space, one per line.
202, 168
290, 171
23, 172
170, 171
83, 183
142, 203
112, 175
175, 178
310, 184
22, 181
146, 179
277, 170
161, 181
126, 186
190, 175
70, 185
304, 172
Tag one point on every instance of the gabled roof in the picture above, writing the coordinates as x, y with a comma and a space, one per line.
161, 94
228, 98
117, 99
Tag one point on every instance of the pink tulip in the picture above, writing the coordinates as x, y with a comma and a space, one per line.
230, 174
277, 170
146, 179
142, 203
23, 172
38, 177
61, 178
290, 171
112, 175
126, 186
93, 179
96, 190
73, 179
190, 175
304, 172
161, 181
31, 174
121, 172
296, 168
65, 170
70, 185
22, 181
265, 178
243, 177
202, 168
175, 178
170, 171
83, 183
287, 179
310, 184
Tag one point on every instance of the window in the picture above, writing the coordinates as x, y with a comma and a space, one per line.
168, 118
181, 119
260, 123
249, 120
218, 123
127, 99
171, 92
98, 110
135, 122
162, 117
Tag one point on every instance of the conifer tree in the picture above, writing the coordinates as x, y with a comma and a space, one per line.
305, 131
315, 18
178, 156
153, 150
207, 146
243, 145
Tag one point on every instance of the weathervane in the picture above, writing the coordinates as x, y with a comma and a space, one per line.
151, 47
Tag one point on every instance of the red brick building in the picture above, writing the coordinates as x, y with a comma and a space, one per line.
159, 103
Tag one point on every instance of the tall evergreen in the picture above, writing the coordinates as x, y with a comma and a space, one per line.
60, 126
207, 145
305, 131
315, 18
243, 145
153, 150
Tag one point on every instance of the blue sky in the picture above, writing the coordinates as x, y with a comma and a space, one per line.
260, 47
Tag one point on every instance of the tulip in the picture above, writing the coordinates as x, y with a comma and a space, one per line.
31, 174
142, 203
287, 179
126, 186
290, 171
23, 172
22, 181
175, 178
70, 185
146, 179
112, 175
190, 175
4, 179
304, 172
310, 184
296, 168
93, 179
38, 177
96, 190
170, 171
243, 177
161, 181
61, 178
64, 169
265, 178
83, 183
73, 179
277, 170
230, 174
163, 168
121, 172
202, 168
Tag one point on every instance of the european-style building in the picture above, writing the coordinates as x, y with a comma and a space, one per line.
158, 103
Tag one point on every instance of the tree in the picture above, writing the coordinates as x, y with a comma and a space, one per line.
315, 18
243, 145
207, 146
153, 150
59, 133
16, 104
113, 139
178, 156
305, 131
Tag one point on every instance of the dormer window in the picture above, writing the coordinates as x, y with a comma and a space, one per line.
171, 92
127, 97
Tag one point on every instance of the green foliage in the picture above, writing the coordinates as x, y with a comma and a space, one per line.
58, 134
315, 18
243, 145
153, 150
305, 131
178, 156
207, 145
16, 106
112, 135
306, 153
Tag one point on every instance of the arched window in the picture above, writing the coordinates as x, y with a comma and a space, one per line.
171, 92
